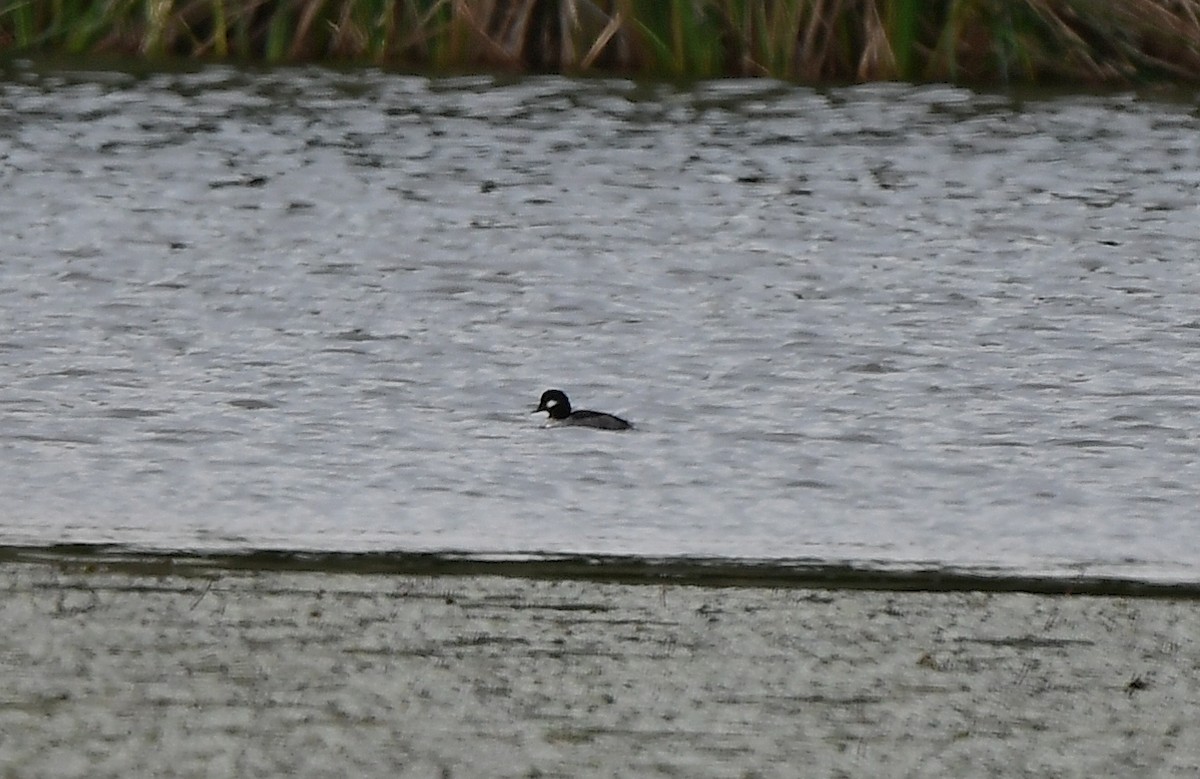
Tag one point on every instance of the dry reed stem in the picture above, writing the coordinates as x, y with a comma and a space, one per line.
494, 51
809, 60
307, 17
602, 40
878, 60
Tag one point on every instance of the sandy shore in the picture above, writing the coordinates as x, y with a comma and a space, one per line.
111, 672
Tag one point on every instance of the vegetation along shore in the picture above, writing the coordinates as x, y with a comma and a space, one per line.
984, 42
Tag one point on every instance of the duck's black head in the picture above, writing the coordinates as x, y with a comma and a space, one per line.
554, 402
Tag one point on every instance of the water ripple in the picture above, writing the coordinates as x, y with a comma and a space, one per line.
306, 309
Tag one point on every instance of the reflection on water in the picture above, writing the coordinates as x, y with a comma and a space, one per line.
308, 309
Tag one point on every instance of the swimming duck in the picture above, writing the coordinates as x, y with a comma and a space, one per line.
554, 402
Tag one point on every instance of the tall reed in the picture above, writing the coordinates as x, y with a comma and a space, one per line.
968, 41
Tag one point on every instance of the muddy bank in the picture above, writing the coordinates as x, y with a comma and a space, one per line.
264, 672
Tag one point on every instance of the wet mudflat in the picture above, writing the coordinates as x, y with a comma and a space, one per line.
114, 671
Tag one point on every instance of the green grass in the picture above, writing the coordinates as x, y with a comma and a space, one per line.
962, 41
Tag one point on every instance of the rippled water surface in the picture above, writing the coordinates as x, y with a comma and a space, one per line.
310, 309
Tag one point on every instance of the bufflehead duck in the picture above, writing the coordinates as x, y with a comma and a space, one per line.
555, 403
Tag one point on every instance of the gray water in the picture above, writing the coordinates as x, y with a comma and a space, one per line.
889, 325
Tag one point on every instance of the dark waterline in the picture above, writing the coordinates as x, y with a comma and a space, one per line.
617, 569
